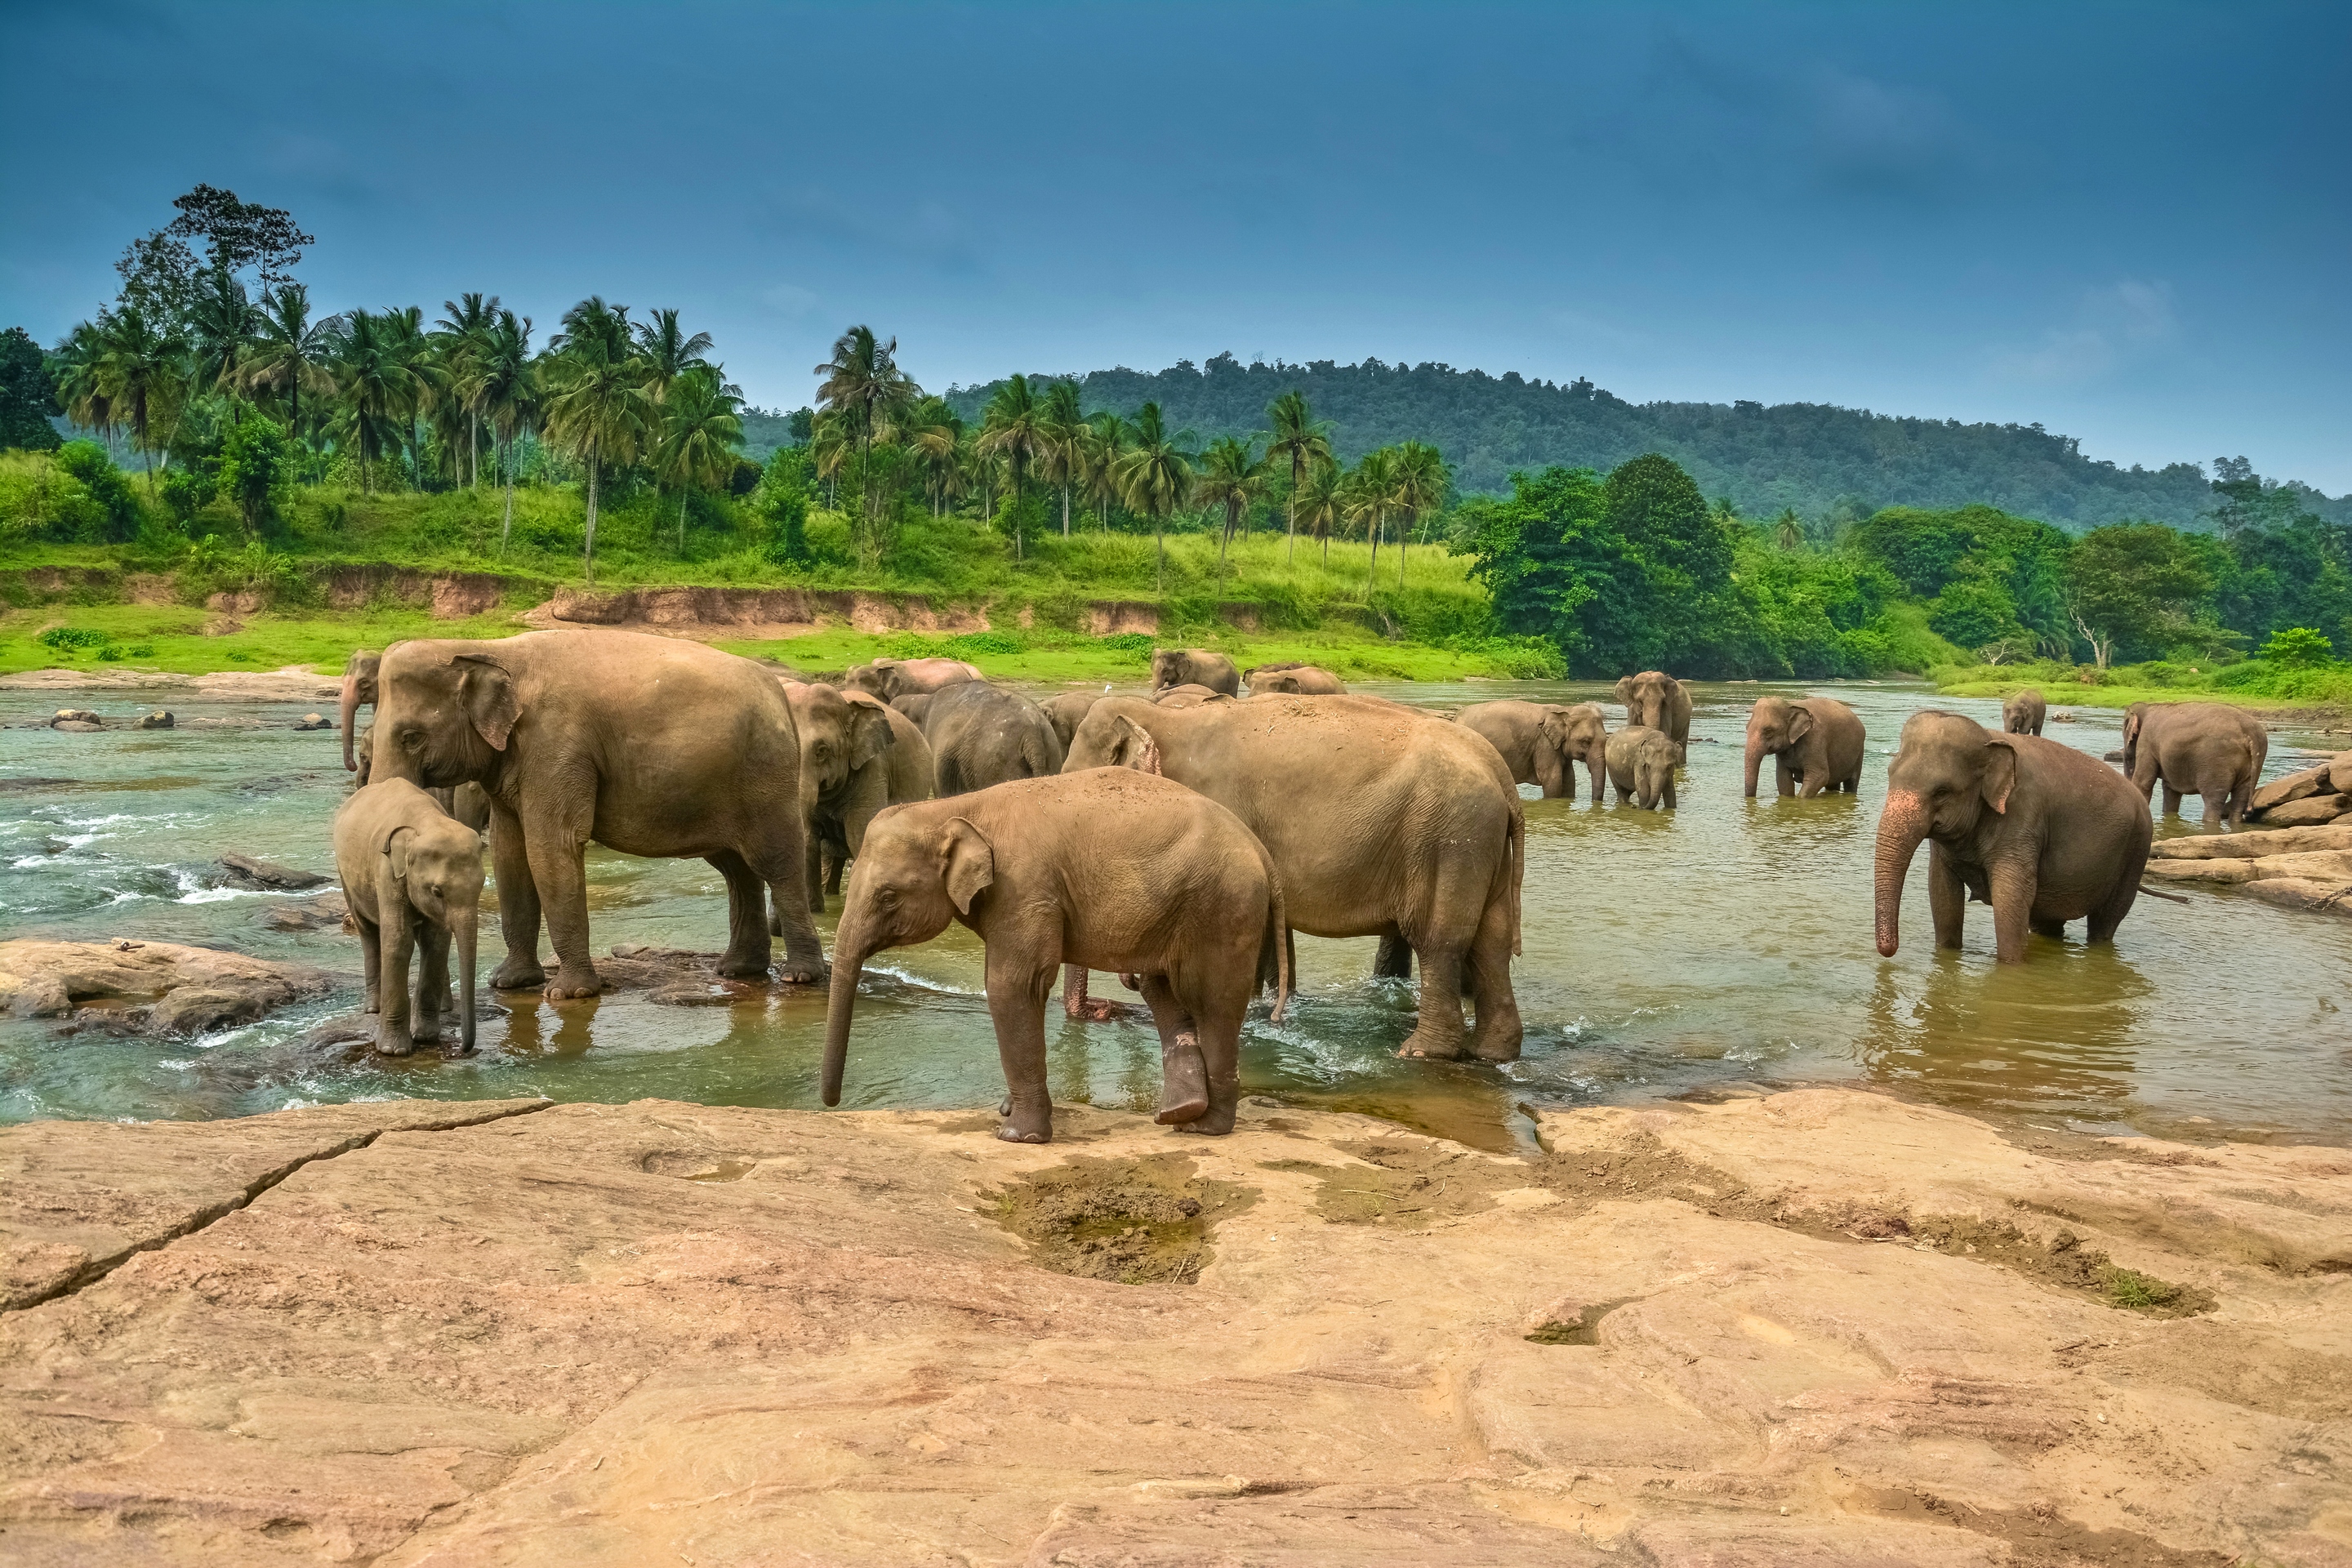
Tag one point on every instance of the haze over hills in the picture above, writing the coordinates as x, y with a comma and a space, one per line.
1816, 458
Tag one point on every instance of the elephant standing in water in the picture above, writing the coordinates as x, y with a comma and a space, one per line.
1642, 762
982, 735
1815, 744
412, 877
1194, 667
2208, 749
889, 679
1109, 869
466, 802
1382, 821
649, 745
1542, 742
2041, 832
857, 756
1296, 679
2024, 712
1657, 701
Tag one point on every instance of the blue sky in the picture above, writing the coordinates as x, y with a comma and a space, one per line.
2128, 223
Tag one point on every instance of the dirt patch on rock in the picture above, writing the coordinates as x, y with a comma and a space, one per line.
1109, 617
1135, 1222
1407, 1186
2041, 1537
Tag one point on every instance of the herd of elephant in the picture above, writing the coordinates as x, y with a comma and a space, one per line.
1161, 837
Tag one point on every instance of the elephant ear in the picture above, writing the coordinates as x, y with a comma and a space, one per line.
870, 734
1801, 722
1135, 747
487, 693
1625, 690
395, 846
1999, 771
969, 863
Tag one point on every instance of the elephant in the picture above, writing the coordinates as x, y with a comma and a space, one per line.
2208, 749
1815, 744
1067, 711
411, 877
1642, 762
894, 678
1189, 696
359, 688
857, 756
2041, 832
982, 735
2024, 711
1382, 821
1297, 679
1658, 701
1542, 742
1109, 869
1194, 667
650, 745
466, 802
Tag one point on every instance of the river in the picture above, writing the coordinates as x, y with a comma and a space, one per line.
1725, 944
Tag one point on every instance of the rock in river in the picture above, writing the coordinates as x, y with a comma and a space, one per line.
147, 987
267, 876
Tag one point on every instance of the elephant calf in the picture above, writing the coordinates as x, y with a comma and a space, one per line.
2025, 711
1294, 679
1642, 763
1658, 701
1193, 667
412, 877
1815, 744
857, 756
1108, 868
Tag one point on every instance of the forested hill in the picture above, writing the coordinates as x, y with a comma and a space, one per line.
1819, 459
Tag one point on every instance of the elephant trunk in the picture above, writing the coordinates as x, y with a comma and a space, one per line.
351, 707
1900, 827
1755, 763
849, 950
469, 933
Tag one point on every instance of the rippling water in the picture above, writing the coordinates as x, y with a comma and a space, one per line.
1728, 942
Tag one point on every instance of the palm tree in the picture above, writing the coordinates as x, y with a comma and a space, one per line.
936, 436
1421, 482
864, 385
1322, 504
668, 352
79, 386
374, 386
1300, 440
1013, 427
1234, 478
1106, 443
1063, 460
462, 332
505, 387
1371, 490
1155, 480
407, 341
141, 369
1787, 529
599, 411
289, 353
221, 320
700, 430
832, 443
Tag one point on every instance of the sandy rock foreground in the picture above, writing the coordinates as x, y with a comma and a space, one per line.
1818, 1328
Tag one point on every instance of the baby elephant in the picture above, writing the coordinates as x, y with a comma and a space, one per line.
1109, 868
2025, 711
1641, 764
412, 874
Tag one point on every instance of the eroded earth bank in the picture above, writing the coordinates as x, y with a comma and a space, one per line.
1819, 1326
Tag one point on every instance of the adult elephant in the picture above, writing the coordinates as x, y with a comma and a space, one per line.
1382, 821
892, 677
857, 756
1542, 742
466, 802
1194, 667
1066, 711
2041, 832
2206, 749
1295, 678
982, 735
1658, 701
649, 745
2025, 711
1189, 696
1815, 744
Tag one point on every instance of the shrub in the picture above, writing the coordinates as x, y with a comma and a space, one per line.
64, 637
115, 519
2297, 647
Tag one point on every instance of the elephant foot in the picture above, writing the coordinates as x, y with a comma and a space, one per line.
1428, 1046
799, 970
393, 1042
518, 975
1012, 1134
1497, 1049
1184, 1081
733, 966
569, 983
1215, 1124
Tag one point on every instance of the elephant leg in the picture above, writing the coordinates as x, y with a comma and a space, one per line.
780, 860
1496, 1035
1667, 794
519, 908
555, 849
1016, 1005
371, 960
2216, 801
2172, 799
1183, 1070
393, 1037
1394, 959
1948, 899
836, 861
1783, 775
815, 879
1600, 775
1217, 1021
431, 983
1438, 1034
2053, 929
2012, 910
746, 957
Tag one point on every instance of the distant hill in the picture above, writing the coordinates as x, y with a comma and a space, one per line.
1815, 457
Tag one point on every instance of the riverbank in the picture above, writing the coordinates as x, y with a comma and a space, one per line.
2318, 697
1821, 1325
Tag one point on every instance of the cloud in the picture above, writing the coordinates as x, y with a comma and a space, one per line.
930, 232
1870, 135
2127, 320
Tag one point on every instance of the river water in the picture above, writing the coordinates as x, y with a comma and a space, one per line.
1728, 942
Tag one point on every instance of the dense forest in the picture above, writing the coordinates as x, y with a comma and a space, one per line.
1828, 464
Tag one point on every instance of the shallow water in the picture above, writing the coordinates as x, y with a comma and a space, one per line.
1728, 941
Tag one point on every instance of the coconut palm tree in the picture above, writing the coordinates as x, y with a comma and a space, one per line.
1155, 479
1104, 446
1061, 461
141, 370
1421, 480
599, 411
289, 353
1012, 427
832, 443
668, 352
1371, 490
864, 387
1301, 441
1232, 477
594, 325
1322, 502
373, 387
79, 388
935, 435
1787, 529
504, 385
412, 348
701, 429
221, 322
462, 332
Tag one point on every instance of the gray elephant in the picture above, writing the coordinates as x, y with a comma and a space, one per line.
1067, 710
466, 801
2024, 712
1542, 742
1815, 744
1105, 870
1194, 667
1658, 701
2041, 832
2207, 749
1382, 821
857, 756
411, 877
889, 679
1187, 696
1642, 762
1296, 679
650, 745
982, 735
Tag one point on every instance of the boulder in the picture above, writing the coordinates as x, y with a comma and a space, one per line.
2297, 785
143, 987
2252, 844
266, 876
2339, 773
159, 720
2313, 895
77, 718
327, 911
2309, 811
314, 721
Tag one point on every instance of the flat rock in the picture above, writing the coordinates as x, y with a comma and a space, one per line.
267, 876
314, 721
146, 987
327, 911
2313, 895
2252, 844
75, 726
1805, 1328
2287, 788
2311, 811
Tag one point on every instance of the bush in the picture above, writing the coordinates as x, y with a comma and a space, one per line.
2297, 647
64, 637
115, 519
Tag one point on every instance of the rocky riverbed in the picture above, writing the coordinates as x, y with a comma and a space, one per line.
1820, 1327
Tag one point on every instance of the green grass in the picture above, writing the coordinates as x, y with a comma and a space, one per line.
171, 639
2249, 683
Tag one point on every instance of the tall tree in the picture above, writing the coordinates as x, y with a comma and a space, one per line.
937, 438
700, 426
1106, 443
599, 411
1061, 461
79, 388
1232, 477
411, 348
463, 332
1421, 484
142, 373
1322, 503
373, 386
864, 387
504, 385
1301, 441
289, 353
1372, 491
668, 350
1013, 427
221, 322
27, 398
1156, 480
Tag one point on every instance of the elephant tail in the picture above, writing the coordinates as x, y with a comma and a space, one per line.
1274, 946
2168, 898
1514, 868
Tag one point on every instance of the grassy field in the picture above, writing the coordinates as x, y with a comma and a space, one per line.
2247, 684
